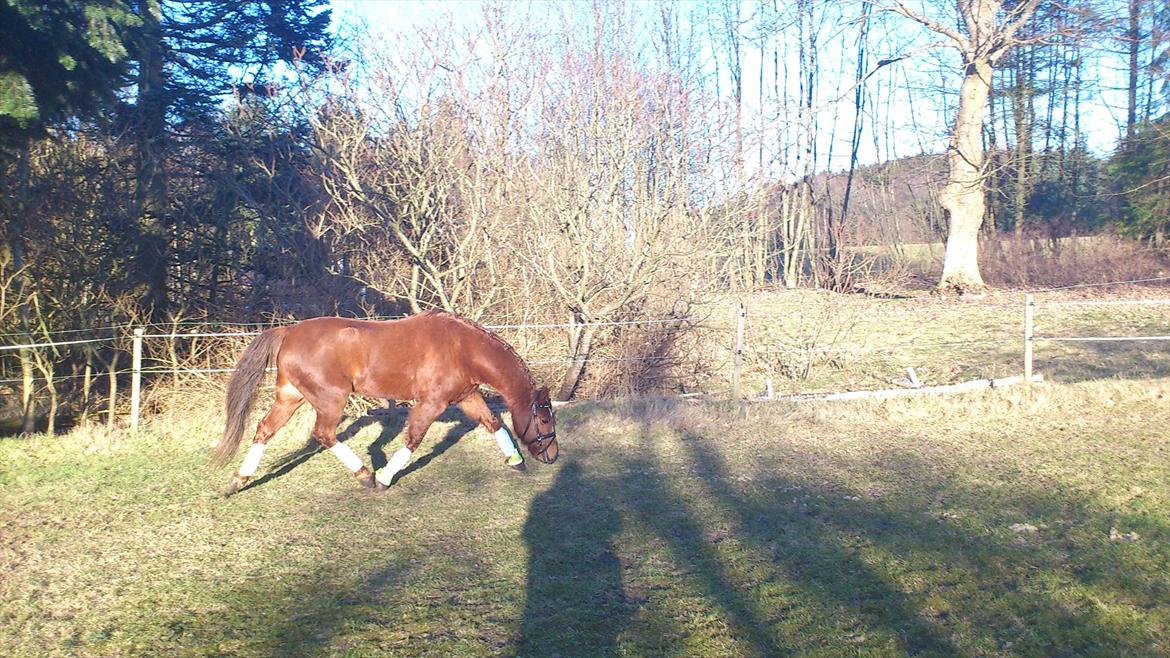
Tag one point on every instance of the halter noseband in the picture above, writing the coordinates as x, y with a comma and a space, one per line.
543, 441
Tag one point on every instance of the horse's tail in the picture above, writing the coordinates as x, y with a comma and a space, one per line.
242, 390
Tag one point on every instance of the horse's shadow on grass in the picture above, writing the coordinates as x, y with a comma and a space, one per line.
463, 426
393, 421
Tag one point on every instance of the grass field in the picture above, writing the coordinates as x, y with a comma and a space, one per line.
1001, 524
809, 341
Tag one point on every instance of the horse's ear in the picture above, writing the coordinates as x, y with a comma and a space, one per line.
542, 395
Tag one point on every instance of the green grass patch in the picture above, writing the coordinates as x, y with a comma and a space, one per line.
1001, 524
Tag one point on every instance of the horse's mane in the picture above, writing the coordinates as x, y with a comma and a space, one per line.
489, 334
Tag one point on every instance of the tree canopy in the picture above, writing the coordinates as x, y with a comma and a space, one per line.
1141, 180
60, 59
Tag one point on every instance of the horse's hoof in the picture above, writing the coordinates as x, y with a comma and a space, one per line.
380, 488
237, 483
520, 466
365, 478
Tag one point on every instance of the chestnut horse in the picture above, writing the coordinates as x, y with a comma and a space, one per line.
434, 358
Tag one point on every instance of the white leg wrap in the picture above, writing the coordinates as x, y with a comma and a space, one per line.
345, 454
387, 472
505, 441
252, 460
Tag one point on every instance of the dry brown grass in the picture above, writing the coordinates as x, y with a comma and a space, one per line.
857, 342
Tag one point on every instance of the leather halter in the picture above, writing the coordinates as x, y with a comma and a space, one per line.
543, 441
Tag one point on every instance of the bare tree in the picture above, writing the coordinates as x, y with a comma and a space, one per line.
398, 213
989, 29
1133, 38
611, 223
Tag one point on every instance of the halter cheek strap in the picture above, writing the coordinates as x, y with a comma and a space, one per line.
542, 441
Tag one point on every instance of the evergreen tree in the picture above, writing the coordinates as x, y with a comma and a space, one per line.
1141, 171
58, 60
189, 55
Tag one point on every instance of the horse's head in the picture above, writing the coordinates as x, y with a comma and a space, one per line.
537, 427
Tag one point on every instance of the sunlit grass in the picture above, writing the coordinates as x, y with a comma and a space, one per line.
1008, 523
863, 343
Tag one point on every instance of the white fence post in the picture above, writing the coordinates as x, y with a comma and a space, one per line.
1029, 307
136, 379
27, 397
735, 375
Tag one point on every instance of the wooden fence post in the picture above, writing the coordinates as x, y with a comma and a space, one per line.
136, 379
1029, 307
86, 385
27, 397
112, 373
735, 375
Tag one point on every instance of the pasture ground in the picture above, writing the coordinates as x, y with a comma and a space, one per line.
996, 524
816, 341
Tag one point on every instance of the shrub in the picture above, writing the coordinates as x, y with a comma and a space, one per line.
1023, 262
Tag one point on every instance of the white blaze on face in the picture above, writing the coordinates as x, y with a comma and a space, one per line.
387, 472
345, 454
252, 460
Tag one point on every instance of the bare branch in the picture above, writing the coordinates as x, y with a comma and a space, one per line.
961, 42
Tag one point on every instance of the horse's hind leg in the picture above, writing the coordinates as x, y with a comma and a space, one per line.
476, 409
288, 400
325, 431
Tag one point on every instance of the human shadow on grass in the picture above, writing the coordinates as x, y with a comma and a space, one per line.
816, 539
788, 548
576, 603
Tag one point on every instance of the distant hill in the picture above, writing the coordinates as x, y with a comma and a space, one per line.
891, 202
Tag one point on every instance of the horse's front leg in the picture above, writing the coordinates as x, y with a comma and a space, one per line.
417, 423
477, 409
325, 431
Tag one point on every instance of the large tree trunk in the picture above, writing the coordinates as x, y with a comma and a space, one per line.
963, 198
1134, 38
150, 177
983, 40
580, 344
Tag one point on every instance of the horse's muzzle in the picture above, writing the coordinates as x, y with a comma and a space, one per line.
542, 449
